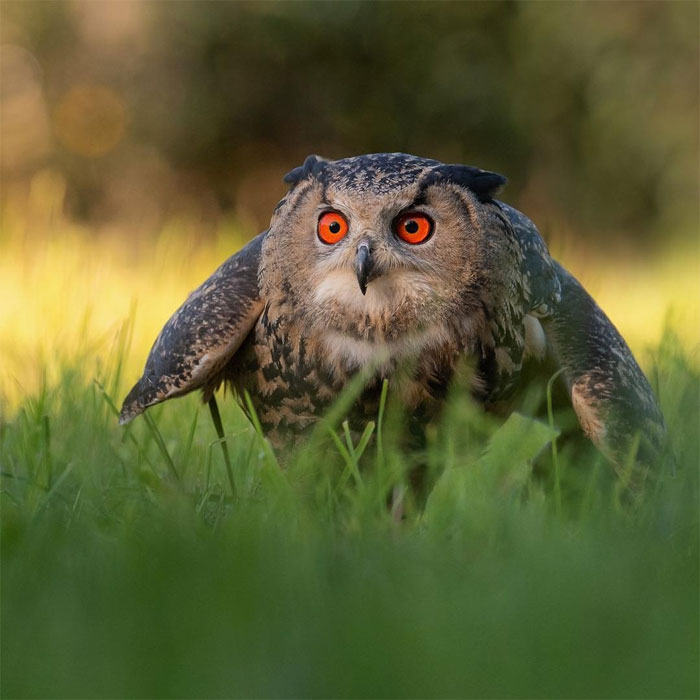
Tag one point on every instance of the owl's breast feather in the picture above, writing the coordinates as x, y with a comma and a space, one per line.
356, 353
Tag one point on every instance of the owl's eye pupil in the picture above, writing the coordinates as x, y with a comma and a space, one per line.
411, 226
334, 227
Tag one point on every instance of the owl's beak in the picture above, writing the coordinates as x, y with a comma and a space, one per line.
363, 266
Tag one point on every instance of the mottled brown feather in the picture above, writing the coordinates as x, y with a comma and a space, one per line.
203, 335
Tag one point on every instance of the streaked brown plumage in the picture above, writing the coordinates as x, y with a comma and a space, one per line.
292, 319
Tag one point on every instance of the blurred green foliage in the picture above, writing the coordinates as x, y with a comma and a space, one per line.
590, 109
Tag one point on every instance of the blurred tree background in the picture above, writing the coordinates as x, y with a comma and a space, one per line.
137, 112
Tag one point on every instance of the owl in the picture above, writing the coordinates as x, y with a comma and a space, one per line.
400, 268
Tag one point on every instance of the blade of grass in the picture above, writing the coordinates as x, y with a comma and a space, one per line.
364, 439
74, 509
555, 452
587, 500
54, 488
161, 445
381, 457
253, 415
46, 444
207, 478
353, 455
188, 444
337, 412
347, 458
272, 471
127, 430
11, 496
124, 339
216, 417
107, 397
625, 482
380, 418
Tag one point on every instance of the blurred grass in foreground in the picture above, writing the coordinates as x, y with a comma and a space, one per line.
119, 580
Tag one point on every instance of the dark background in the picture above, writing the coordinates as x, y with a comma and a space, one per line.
148, 111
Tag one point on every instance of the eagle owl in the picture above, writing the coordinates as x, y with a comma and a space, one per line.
398, 266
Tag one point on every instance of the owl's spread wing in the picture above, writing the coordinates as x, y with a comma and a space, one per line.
202, 336
609, 392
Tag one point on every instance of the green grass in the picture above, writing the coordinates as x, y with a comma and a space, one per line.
130, 570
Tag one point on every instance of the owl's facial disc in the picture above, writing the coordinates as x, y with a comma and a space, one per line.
373, 257
412, 228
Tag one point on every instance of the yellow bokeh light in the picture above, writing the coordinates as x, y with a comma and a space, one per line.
90, 120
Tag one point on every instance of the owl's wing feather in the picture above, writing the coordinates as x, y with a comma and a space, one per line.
541, 287
523, 286
203, 335
609, 392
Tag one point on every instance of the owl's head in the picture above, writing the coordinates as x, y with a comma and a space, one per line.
378, 247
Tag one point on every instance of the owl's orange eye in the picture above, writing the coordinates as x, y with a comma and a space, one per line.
332, 226
413, 227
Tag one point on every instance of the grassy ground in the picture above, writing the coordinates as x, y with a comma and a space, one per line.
133, 567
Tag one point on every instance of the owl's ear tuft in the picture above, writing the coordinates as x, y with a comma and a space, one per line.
483, 183
312, 166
